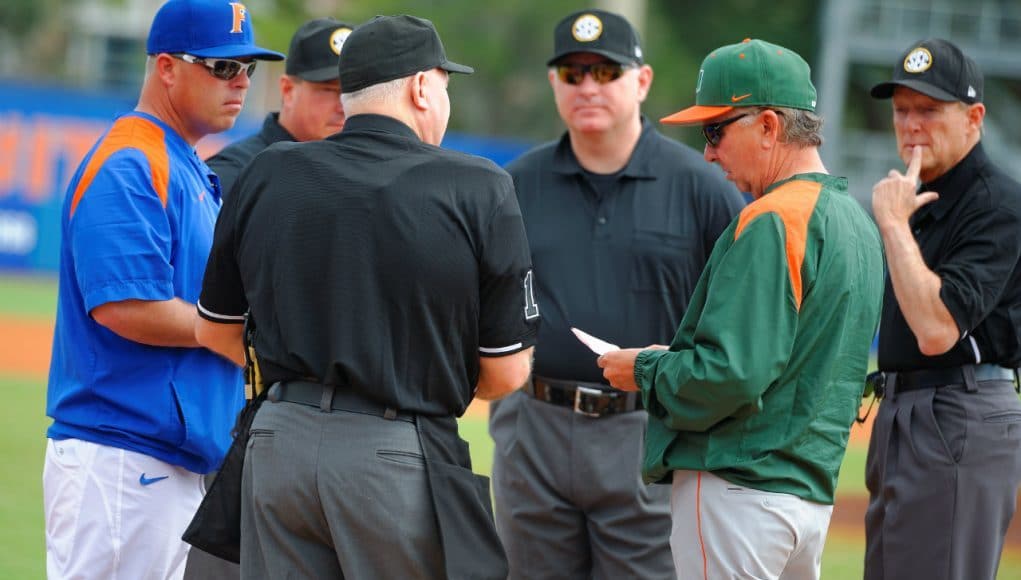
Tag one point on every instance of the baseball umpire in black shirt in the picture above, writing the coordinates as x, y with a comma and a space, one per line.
944, 461
390, 282
621, 221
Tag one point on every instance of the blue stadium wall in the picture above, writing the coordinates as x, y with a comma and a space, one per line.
46, 131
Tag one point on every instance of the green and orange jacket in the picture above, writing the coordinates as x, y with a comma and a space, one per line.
764, 377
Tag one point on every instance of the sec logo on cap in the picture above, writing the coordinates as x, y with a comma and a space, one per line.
587, 27
918, 61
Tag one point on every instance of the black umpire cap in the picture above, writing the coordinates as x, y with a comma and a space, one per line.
315, 49
936, 68
392, 47
599, 32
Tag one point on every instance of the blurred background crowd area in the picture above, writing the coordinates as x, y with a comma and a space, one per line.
68, 66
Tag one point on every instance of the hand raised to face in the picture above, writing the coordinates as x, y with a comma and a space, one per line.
894, 198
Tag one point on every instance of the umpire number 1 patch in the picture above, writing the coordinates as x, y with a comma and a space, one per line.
531, 308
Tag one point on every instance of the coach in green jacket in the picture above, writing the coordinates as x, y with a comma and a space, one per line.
751, 406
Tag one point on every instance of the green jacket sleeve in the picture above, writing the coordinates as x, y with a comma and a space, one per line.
734, 341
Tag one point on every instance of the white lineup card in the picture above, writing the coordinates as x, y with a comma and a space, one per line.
596, 345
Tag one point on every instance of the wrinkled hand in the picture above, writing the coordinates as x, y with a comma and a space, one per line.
894, 198
619, 368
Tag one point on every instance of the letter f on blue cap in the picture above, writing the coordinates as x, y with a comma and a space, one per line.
240, 15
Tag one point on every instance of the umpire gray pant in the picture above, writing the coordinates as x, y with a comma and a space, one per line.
570, 502
204, 566
336, 495
943, 471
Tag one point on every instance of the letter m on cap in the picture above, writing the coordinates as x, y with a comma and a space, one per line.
240, 15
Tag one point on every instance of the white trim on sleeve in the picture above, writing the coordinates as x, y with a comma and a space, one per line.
974, 347
223, 317
498, 350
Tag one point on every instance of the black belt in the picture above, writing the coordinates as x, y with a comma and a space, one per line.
333, 398
589, 399
950, 377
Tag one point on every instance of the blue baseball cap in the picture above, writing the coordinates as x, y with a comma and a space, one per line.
206, 28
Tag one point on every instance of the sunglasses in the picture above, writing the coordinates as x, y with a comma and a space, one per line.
225, 69
602, 72
713, 132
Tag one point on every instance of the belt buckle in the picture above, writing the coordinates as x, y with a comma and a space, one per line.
581, 392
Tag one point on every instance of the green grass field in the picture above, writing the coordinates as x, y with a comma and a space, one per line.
34, 296
22, 444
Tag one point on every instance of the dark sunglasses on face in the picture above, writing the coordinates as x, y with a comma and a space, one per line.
225, 69
602, 72
713, 132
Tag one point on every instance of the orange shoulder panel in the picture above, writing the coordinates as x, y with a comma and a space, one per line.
130, 133
793, 202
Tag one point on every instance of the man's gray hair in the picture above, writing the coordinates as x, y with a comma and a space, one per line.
385, 92
800, 127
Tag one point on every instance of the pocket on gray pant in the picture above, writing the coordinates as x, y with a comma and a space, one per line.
951, 420
402, 457
1010, 416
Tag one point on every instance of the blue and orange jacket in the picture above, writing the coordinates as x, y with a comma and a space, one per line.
137, 224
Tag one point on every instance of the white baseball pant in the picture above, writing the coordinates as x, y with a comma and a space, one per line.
114, 514
724, 530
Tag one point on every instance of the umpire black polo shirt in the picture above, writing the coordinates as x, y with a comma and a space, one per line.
228, 163
971, 238
617, 256
375, 261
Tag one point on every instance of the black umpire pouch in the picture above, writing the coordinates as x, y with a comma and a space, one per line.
216, 527
464, 510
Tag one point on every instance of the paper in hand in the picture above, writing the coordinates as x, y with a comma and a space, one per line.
596, 345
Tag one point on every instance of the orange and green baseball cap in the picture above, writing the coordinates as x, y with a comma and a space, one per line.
752, 73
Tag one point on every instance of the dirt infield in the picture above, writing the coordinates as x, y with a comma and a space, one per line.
25, 346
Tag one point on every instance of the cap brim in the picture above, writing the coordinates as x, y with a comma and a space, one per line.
614, 56
457, 68
237, 51
885, 90
695, 115
327, 73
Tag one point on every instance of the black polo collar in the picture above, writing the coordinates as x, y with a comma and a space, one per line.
638, 167
273, 131
954, 183
380, 123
